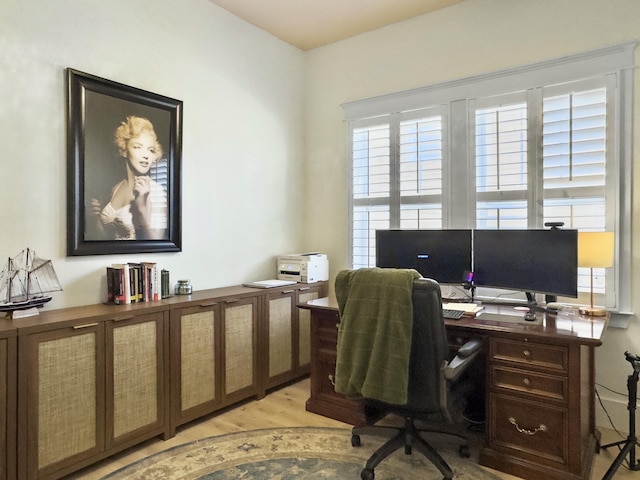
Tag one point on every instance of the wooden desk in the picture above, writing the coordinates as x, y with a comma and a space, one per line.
540, 386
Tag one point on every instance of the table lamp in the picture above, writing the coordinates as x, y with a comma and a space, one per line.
595, 250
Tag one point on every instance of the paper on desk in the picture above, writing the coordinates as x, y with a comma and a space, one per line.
269, 283
467, 308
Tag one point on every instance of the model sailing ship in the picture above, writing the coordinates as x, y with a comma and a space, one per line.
25, 281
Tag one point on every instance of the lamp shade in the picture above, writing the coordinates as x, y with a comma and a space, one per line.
595, 249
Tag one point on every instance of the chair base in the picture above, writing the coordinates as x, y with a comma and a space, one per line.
407, 437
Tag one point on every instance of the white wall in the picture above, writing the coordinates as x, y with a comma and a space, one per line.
470, 38
243, 94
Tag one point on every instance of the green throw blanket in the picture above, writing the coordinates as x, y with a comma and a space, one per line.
374, 338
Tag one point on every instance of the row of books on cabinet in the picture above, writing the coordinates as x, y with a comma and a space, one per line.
136, 282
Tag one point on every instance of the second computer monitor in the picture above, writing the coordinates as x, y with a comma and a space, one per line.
544, 261
443, 255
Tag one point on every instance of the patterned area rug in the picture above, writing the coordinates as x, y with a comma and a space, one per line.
289, 453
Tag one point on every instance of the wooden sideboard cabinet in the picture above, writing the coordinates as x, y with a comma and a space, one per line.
89, 387
8, 396
287, 329
87, 382
62, 413
213, 352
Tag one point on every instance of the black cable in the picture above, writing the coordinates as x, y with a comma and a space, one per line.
612, 391
607, 414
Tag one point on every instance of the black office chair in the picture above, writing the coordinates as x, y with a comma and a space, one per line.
434, 392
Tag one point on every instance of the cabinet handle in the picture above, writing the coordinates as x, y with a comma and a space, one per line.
332, 380
303, 289
86, 325
285, 292
232, 301
527, 382
541, 428
526, 353
120, 319
205, 305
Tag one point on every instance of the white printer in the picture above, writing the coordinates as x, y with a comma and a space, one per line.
303, 267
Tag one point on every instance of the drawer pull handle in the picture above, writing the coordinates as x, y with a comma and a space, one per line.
527, 382
305, 288
86, 325
541, 428
205, 305
526, 353
286, 292
331, 379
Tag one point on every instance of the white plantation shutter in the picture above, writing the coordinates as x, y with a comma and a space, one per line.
549, 142
420, 157
574, 165
396, 178
501, 166
371, 171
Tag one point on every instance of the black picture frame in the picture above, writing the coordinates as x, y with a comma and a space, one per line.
96, 166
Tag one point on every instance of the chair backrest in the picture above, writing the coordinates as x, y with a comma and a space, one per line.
429, 348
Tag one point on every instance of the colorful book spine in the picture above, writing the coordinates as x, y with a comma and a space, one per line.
136, 282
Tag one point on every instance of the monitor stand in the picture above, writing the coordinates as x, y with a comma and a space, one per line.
531, 299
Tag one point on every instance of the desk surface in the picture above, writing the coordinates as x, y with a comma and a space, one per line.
567, 324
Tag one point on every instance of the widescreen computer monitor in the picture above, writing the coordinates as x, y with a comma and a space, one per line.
543, 261
443, 255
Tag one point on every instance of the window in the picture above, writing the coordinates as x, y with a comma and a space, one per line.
514, 149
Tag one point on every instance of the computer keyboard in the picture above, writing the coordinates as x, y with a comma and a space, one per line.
452, 314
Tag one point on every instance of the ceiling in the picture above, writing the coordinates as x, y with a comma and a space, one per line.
308, 24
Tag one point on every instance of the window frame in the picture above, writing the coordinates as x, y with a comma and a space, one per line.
456, 99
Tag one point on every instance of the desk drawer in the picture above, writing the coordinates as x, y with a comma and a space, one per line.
328, 325
538, 384
531, 430
552, 357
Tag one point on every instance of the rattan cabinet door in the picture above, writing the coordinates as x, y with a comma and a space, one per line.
64, 397
195, 361
239, 349
136, 366
281, 331
288, 330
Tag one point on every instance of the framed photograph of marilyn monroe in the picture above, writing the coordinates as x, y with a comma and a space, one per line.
124, 156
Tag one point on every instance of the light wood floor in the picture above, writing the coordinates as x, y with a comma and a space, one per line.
285, 408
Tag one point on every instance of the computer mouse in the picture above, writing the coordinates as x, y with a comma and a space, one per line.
530, 316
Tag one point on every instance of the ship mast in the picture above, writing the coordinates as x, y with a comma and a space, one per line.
27, 270
9, 278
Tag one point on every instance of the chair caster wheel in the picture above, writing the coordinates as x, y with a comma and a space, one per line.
464, 451
355, 440
367, 474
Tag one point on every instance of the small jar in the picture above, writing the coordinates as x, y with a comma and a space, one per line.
183, 287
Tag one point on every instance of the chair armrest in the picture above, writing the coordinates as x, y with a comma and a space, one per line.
463, 359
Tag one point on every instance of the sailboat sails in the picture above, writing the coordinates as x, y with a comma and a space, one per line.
25, 280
